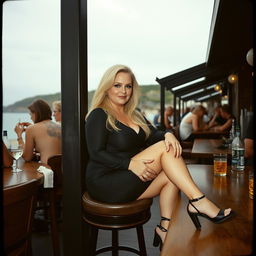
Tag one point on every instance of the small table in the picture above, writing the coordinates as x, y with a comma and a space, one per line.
233, 237
29, 172
205, 148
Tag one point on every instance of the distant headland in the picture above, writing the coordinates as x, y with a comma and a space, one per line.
150, 99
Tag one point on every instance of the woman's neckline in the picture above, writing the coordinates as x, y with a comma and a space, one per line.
130, 127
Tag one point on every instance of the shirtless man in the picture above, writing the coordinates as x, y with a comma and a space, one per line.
44, 136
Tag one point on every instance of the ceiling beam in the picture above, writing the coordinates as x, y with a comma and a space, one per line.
208, 98
198, 95
197, 86
183, 77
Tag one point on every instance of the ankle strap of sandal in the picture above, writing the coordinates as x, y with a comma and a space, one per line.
162, 228
196, 199
164, 218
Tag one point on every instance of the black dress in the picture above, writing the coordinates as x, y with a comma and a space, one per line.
107, 176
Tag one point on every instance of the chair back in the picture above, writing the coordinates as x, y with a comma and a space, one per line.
55, 163
19, 205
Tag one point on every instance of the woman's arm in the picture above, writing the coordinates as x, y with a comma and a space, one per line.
213, 121
19, 129
96, 139
225, 126
195, 123
28, 147
155, 134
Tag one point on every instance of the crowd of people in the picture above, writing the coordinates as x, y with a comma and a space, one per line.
198, 118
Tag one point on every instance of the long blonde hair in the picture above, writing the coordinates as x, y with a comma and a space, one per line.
101, 100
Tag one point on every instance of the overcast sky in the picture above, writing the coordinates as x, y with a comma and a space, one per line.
154, 38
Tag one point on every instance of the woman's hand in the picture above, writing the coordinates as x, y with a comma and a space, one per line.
19, 129
25, 124
170, 140
142, 170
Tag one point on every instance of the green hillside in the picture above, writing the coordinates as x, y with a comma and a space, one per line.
21, 106
150, 99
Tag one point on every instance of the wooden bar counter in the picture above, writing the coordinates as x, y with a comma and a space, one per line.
229, 238
205, 148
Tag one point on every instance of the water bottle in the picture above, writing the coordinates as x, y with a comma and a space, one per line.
5, 139
237, 161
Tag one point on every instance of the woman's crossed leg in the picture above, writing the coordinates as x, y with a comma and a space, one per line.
172, 176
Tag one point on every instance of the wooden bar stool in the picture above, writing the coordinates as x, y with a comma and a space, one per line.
115, 217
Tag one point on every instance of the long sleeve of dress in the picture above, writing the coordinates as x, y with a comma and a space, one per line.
96, 138
155, 135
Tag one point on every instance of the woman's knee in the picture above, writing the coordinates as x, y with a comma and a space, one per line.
162, 147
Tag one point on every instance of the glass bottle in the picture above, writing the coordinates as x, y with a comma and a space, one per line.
5, 139
237, 160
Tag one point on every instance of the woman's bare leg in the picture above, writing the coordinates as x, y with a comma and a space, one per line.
168, 192
177, 172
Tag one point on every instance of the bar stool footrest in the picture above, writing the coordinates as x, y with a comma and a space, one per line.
122, 248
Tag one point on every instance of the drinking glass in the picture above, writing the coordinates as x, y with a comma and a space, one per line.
220, 164
16, 153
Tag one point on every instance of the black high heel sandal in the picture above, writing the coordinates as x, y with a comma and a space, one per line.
157, 239
194, 215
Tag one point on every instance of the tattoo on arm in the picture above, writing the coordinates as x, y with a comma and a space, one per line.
54, 130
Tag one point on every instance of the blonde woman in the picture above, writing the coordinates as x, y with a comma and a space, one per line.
193, 121
130, 159
56, 106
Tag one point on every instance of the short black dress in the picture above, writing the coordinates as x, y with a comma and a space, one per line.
107, 176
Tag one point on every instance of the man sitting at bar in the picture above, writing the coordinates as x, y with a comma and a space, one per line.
216, 120
226, 114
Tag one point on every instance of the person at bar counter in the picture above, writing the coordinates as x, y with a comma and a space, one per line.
226, 115
44, 136
186, 111
156, 119
168, 116
248, 143
216, 119
131, 160
56, 106
192, 122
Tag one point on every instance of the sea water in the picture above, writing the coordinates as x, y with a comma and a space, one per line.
11, 119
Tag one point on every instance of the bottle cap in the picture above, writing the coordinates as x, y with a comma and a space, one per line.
4, 133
